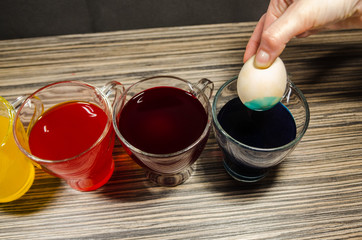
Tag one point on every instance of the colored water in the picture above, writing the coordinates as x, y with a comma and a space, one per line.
263, 129
69, 130
16, 171
162, 120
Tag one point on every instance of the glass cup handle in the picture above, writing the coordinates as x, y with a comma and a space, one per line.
206, 86
18, 101
35, 102
38, 111
115, 87
288, 89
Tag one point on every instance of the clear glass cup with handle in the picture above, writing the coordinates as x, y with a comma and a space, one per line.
163, 123
245, 162
69, 131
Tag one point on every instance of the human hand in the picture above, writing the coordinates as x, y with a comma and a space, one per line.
286, 19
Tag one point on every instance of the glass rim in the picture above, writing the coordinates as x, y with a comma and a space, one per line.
158, 155
258, 149
100, 138
11, 113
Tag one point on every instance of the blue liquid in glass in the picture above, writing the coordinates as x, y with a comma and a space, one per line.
262, 129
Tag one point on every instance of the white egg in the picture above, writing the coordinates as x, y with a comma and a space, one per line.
261, 88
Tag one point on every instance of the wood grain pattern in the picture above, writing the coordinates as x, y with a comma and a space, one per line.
315, 194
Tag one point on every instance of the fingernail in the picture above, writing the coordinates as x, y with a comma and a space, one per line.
262, 59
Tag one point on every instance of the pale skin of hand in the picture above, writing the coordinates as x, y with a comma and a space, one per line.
286, 19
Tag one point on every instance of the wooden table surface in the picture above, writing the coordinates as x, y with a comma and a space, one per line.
316, 193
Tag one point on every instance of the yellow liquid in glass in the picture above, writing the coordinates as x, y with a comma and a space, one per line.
16, 170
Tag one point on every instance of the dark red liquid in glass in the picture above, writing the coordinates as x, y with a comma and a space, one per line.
162, 120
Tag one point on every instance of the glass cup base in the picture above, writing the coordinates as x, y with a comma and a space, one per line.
170, 180
244, 173
27, 185
88, 185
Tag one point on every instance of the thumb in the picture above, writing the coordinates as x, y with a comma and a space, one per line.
275, 37
303, 18
297, 18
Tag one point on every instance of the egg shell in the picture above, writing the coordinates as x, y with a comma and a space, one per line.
261, 83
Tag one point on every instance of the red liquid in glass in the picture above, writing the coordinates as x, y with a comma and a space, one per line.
68, 130
162, 120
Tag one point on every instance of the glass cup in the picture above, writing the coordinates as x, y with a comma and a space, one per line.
168, 168
83, 170
16, 170
247, 163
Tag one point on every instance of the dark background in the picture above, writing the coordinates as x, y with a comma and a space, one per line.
33, 18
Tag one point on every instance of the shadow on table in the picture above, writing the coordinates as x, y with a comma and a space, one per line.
211, 171
331, 62
39, 196
337, 61
128, 182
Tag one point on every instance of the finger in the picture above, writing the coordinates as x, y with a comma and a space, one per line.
308, 33
278, 34
254, 40
349, 23
303, 18
276, 9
